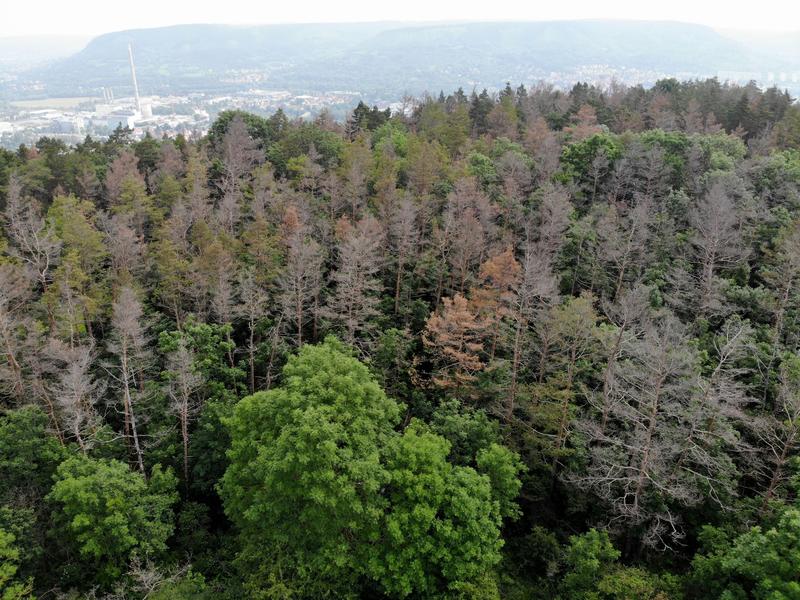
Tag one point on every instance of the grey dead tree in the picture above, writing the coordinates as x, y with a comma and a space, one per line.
128, 344
184, 383
632, 461
598, 169
354, 302
651, 171
300, 282
87, 184
461, 237
223, 287
778, 434
472, 231
356, 176
404, 235
622, 179
623, 237
15, 325
34, 241
516, 174
126, 248
718, 241
124, 167
711, 416
240, 153
467, 244
252, 306
228, 214
628, 313
784, 278
266, 194
170, 162
537, 285
74, 390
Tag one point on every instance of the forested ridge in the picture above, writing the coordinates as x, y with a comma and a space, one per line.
534, 344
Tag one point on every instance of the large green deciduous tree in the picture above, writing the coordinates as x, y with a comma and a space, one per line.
111, 512
327, 495
441, 532
11, 588
304, 483
762, 563
28, 455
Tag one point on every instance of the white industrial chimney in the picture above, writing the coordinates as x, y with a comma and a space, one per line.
133, 75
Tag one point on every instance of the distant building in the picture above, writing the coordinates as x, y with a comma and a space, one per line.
126, 118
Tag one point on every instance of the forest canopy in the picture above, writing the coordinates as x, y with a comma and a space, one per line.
531, 344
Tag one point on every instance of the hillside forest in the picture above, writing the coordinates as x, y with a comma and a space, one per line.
525, 345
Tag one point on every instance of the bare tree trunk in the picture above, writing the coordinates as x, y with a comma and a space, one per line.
397, 285
515, 361
314, 319
299, 320
612, 359
130, 416
777, 472
184, 417
18, 385
251, 357
644, 463
543, 355
51, 411
561, 438
575, 272
778, 333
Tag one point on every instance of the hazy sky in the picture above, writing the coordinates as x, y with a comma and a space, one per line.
33, 17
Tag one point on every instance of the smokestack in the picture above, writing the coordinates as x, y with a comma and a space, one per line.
133, 75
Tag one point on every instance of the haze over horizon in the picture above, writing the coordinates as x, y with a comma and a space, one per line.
91, 17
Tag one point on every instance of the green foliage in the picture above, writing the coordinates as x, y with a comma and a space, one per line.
442, 524
321, 483
629, 407
451, 129
633, 583
482, 168
468, 430
305, 472
191, 586
365, 118
73, 222
391, 362
392, 133
29, 454
576, 158
10, 586
223, 383
587, 559
723, 151
763, 564
503, 467
259, 128
110, 512
298, 140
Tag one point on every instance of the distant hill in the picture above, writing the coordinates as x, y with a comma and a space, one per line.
389, 59
19, 52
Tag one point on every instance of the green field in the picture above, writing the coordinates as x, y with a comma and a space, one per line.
63, 103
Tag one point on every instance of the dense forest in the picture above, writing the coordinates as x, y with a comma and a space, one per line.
532, 344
